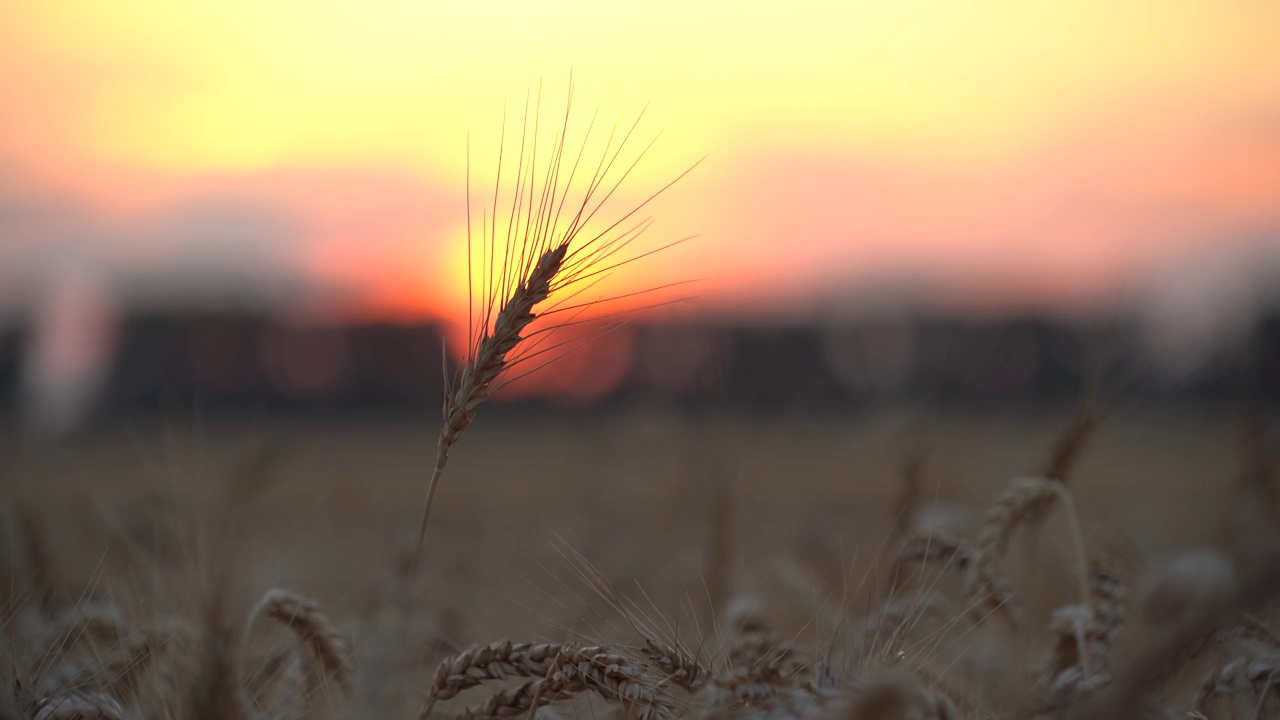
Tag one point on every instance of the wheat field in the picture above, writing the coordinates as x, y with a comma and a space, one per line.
641, 562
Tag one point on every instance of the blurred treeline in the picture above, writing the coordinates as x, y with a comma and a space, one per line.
236, 362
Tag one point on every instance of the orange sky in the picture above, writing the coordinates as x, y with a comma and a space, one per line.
989, 153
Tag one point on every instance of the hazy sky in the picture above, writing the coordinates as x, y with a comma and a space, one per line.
991, 154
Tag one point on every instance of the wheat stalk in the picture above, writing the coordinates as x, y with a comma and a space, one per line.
539, 258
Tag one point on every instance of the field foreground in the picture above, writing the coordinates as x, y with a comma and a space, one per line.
646, 564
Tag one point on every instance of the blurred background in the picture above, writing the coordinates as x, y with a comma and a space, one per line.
244, 209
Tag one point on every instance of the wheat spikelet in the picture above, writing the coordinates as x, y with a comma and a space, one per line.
1238, 677
1085, 636
520, 700
495, 661
759, 666
1110, 597
314, 630
489, 361
764, 654
575, 670
1084, 639
986, 583
677, 667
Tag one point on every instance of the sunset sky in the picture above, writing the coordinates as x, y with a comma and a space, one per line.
988, 155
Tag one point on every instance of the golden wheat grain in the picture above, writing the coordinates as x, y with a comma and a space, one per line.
314, 630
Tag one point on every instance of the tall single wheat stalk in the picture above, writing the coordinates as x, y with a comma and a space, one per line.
536, 257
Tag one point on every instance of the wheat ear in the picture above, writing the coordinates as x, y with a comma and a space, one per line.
1085, 637
538, 258
495, 661
578, 669
314, 630
473, 387
1242, 675
678, 667
986, 584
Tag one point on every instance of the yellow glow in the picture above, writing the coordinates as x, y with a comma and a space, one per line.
248, 84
